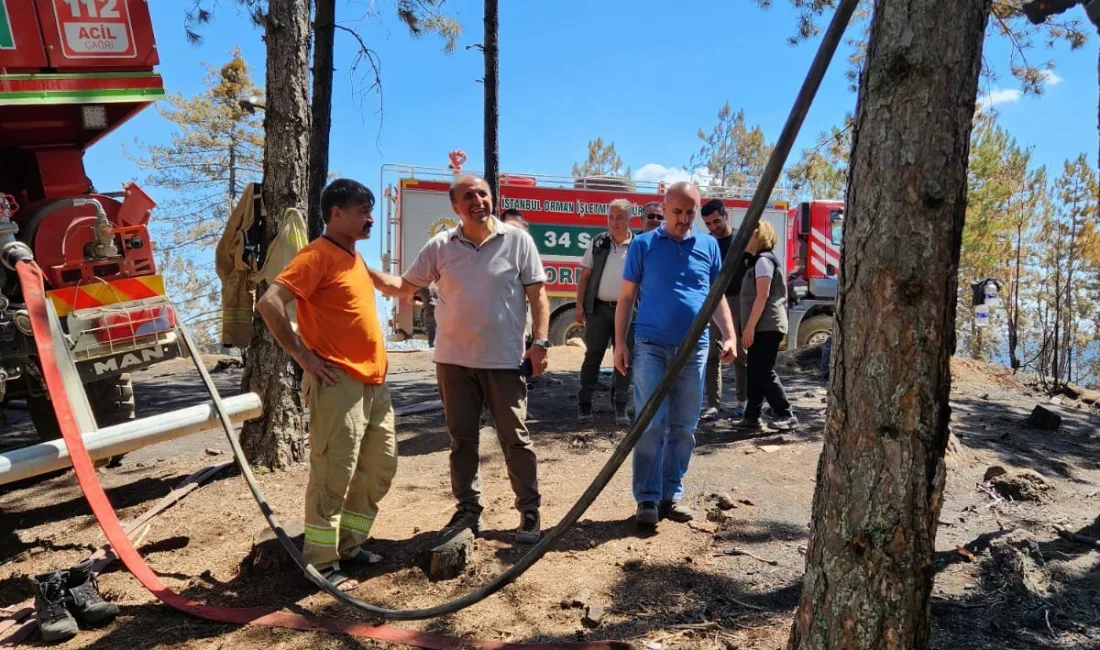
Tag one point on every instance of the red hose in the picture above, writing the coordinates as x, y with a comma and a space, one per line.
30, 277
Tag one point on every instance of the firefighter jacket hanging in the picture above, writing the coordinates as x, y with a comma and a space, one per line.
242, 261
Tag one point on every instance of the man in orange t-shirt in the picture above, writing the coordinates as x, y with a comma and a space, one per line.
353, 444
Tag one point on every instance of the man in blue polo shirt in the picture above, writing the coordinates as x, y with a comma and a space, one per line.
670, 270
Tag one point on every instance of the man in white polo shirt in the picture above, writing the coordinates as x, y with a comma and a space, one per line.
597, 294
485, 272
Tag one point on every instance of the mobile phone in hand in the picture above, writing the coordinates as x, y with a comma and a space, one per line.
526, 369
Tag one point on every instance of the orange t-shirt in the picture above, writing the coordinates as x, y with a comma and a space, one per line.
337, 315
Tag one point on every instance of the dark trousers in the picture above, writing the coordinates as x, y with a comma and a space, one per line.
429, 324
714, 365
463, 391
764, 384
599, 331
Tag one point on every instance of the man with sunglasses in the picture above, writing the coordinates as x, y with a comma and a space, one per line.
352, 440
652, 216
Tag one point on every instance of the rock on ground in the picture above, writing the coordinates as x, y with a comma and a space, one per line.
1022, 485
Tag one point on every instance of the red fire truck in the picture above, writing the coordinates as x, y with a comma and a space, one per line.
814, 231
564, 213
72, 71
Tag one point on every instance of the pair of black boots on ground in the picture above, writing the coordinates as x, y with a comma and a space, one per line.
62, 598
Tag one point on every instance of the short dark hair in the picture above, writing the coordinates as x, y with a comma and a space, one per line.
343, 193
511, 212
712, 206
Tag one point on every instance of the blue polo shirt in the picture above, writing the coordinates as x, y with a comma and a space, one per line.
673, 278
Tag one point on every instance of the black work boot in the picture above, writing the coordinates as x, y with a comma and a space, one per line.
84, 596
55, 622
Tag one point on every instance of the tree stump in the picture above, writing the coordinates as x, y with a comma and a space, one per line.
268, 555
450, 558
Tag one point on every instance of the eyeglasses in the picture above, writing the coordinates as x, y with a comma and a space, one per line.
656, 216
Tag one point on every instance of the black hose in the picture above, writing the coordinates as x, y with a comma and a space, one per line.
760, 200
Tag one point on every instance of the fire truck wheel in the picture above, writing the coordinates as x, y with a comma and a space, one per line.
112, 402
42, 416
564, 327
814, 330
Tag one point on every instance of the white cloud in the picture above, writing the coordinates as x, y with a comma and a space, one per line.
656, 173
1001, 96
1050, 78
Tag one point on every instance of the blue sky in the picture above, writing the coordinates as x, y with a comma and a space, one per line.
632, 72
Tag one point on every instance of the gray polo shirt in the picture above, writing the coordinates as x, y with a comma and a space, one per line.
481, 310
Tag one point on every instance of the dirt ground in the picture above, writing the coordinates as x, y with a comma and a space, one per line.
1005, 579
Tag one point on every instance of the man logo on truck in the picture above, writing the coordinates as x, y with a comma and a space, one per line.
128, 360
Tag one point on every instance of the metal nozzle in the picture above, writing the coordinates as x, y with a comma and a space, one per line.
104, 230
14, 252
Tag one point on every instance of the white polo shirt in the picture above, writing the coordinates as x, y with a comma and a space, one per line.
481, 309
611, 282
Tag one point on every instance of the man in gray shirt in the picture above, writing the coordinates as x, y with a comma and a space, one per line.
597, 295
485, 272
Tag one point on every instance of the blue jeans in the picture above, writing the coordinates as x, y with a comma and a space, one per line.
663, 452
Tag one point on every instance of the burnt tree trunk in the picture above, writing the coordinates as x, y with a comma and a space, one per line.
324, 33
492, 108
880, 479
1014, 306
274, 440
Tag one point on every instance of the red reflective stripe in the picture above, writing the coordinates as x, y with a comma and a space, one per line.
63, 296
30, 277
84, 300
133, 288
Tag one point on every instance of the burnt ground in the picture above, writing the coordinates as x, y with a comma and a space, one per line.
1004, 578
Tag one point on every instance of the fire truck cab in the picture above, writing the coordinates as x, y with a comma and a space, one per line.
814, 234
70, 73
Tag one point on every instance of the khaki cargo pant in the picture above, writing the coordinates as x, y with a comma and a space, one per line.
352, 461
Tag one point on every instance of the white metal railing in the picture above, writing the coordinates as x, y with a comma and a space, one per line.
392, 173
745, 191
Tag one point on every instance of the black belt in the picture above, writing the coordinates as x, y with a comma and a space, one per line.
608, 303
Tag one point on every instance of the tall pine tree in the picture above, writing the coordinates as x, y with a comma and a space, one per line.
215, 148
602, 160
733, 153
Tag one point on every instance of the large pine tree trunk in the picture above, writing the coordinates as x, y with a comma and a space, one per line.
492, 108
880, 479
274, 440
324, 34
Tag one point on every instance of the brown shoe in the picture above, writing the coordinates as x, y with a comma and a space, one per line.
675, 511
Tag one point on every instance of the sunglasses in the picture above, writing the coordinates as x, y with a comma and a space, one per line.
656, 216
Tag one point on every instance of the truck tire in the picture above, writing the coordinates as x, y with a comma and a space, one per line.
112, 402
564, 327
814, 330
43, 418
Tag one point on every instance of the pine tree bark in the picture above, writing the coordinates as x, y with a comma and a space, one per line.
324, 34
492, 107
274, 440
880, 479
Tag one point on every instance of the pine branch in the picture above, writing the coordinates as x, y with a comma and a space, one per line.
364, 53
